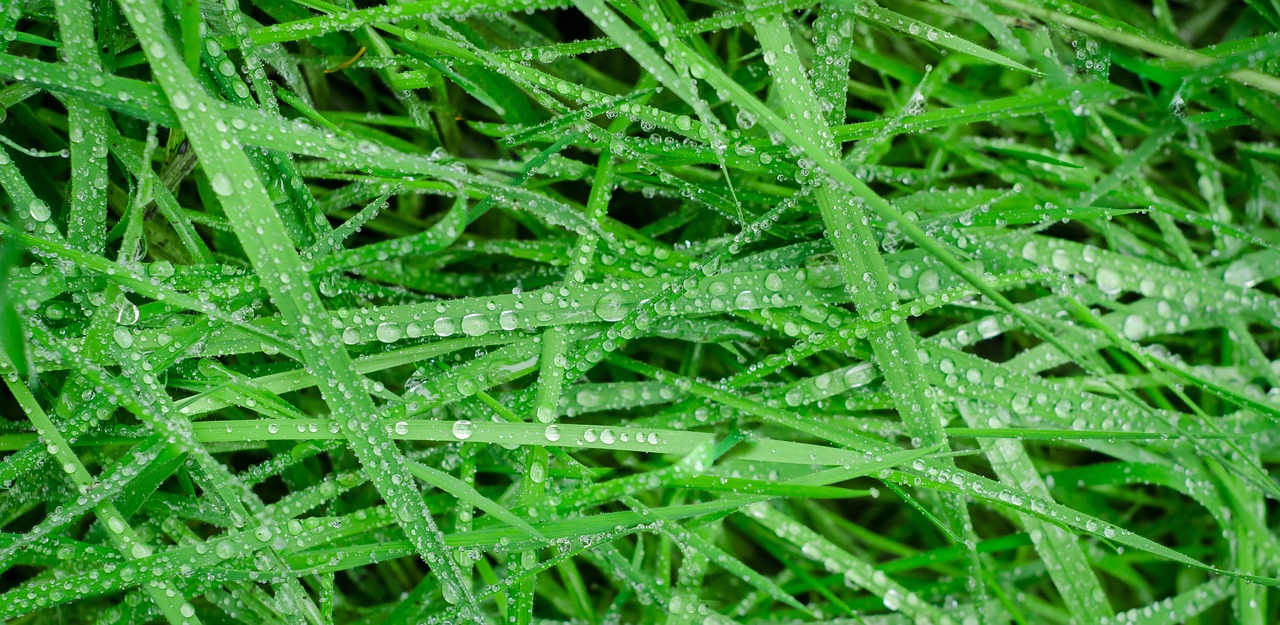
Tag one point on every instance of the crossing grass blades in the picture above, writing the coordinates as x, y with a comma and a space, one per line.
639, 311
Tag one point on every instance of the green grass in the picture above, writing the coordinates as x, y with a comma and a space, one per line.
639, 311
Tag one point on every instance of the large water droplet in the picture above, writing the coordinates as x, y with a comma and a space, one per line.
930, 282
1109, 281
126, 312
508, 320
39, 210
389, 332
610, 307
462, 430
475, 324
123, 337
1240, 273
444, 326
221, 185
552, 433
1134, 327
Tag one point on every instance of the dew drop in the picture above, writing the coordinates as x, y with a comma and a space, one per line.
389, 332
462, 430
475, 324
123, 337
39, 210
930, 282
444, 326
508, 320
610, 307
1134, 327
221, 185
1109, 281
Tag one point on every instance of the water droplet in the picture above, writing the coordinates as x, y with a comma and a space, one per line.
462, 430
552, 433
126, 312
508, 320
39, 210
546, 414
221, 185
161, 269
1134, 327
610, 307
1109, 281
389, 332
475, 324
444, 326
1241, 273
930, 282
402, 428
123, 337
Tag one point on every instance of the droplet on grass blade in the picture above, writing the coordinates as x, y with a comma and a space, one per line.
462, 430
389, 332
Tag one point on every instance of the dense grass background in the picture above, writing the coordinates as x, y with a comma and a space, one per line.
639, 311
